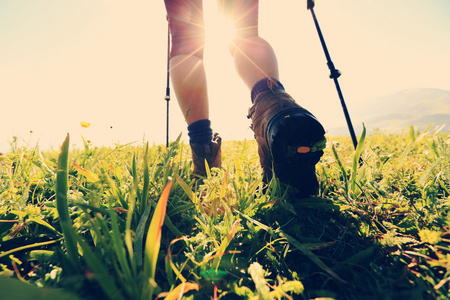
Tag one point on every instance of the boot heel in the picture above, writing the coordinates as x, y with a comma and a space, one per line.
296, 141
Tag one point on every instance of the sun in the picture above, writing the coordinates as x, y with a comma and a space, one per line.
219, 30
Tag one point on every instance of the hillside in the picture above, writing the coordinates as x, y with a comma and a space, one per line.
397, 111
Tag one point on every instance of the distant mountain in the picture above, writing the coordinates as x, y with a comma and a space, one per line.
397, 111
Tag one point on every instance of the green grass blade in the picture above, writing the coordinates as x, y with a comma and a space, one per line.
153, 242
139, 236
208, 170
17, 290
116, 192
117, 243
237, 165
361, 256
91, 177
327, 205
341, 167
168, 222
431, 170
35, 245
101, 273
62, 182
307, 252
302, 248
225, 242
95, 209
412, 134
405, 153
187, 190
223, 190
128, 239
105, 239
145, 188
135, 177
184, 287
357, 159
180, 208
39, 221
169, 263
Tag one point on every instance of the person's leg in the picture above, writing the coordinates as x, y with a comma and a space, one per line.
189, 80
290, 139
186, 57
253, 56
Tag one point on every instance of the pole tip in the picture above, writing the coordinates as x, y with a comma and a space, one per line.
309, 4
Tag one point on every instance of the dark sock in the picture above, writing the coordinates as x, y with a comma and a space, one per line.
265, 84
200, 132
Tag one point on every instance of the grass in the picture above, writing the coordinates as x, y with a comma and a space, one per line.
129, 223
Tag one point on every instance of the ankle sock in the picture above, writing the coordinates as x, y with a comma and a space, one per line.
200, 132
265, 84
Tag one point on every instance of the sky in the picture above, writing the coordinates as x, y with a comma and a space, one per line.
103, 62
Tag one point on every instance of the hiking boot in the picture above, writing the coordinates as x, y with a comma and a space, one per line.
290, 140
211, 153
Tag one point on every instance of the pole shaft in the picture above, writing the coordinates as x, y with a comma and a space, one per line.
346, 114
167, 97
334, 75
167, 125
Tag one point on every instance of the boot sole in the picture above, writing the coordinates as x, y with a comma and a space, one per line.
292, 136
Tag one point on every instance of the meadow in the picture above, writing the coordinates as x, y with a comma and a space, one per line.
129, 222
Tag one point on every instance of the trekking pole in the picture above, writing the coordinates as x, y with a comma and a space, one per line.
167, 97
334, 73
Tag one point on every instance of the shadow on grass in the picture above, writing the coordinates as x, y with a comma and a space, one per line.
363, 267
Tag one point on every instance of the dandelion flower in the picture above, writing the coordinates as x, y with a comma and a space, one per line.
85, 124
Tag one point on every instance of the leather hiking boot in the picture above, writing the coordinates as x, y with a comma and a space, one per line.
212, 153
290, 140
